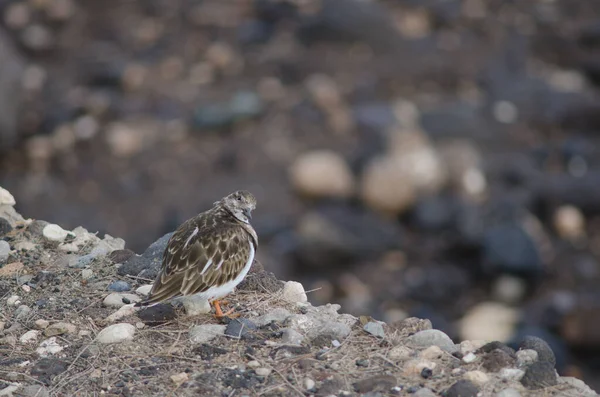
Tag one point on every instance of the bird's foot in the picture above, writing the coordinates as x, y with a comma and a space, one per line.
219, 313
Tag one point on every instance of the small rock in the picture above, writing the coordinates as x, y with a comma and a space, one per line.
119, 286
4, 251
240, 328
180, 378
290, 336
469, 358
14, 300
431, 353
543, 349
53, 232
489, 321
25, 246
293, 292
375, 329
48, 347
29, 336
498, 359
569, 222
5, 226
206, 332
513, 374
144, 289
400, 353
22, 312
277, 315
119, 300
431, 337
68, 247
87, 274
157, 314
195, 305
415, 368
263, 371
510, 392
308, 384
584, 389
148, 264
6, 198
479, 378
116, 333
41, 324
381, 383
526, 357
462, 388
253, 364
469, 346
424, 392
539, 375
60, 329
124, 311
322, 173
11, 269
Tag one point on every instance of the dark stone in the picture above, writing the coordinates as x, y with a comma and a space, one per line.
508, 248
240, 328
119, 286
120, 256
148, 264
489, 347
426, 373
382, 383
455, 119
259, 280
288, 351
543, 349
208, 352
237, 379
36, 227
435, 213
331, 386
362, 362
497, 359
47, 368
157, 314
539, 375
462, 388
255, 32
557, 344
5, 227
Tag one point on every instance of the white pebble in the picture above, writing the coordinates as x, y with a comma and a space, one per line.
469, 358
14, 300
253, 364
144, 289
29, 336
48, 347
308, 384
477, 377
262, 371
6, 198
41, 324
26, 288
180, 378
86, 274
116, 333
116, 299
293, 292
53, 232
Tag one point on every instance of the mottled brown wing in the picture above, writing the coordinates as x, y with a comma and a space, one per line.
195, 261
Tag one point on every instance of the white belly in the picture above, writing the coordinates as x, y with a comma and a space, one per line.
222, 290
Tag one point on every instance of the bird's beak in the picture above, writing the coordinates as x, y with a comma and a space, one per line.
248, 213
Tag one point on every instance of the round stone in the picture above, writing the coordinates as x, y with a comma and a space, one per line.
116, 333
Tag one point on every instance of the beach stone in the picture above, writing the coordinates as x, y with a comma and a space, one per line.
293, 292
431, 337
116, 299
116, 333
53, 232
206, 332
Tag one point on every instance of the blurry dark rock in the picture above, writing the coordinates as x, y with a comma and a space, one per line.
157, 314
382, 383
491, 346
5, 227
462, 388
508, 248
119, 286
582, 192
259, 280
339, 234
539, 375
376, 116
240, 328
544, 351
36, 227
557, 344
46, 368
148, 264
497, 359
120, 256
455, 120
436, 283
434, 213
242, 106
208, 352
255, 32
12, 66
350, 21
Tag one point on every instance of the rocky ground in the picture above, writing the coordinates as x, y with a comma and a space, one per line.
68, 328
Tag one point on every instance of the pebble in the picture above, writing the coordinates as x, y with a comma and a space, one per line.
514, 374
477, 377
569, 222
414, 368
68, 247
48, 347
399, 353
469, 358
180, 378
293, 292
539, 345
144, 289
431, 353
194, 305
578, 384
462, 388
469, 346
124, 311
6, 198
4, 251
291, 336
119, 286
308, 384
489, 321
375, 329
253, 364
240, 328
41, 324
87, 274
526, 357
157, 314
539, 375
29, 336
206, 332
277, 315
116, 333
11, 269
424, 392
510, 392
14, 300
263, 371
25, 246
22, 312
60, 329
322, 173
431, 337
53, 232
116, 299
5, 226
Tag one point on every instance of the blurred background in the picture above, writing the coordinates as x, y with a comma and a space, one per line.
432, 158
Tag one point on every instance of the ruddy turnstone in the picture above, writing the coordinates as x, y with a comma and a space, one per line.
209, 254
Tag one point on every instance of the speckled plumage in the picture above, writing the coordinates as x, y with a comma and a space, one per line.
208, 254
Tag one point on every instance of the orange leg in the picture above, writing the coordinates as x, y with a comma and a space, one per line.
219, 313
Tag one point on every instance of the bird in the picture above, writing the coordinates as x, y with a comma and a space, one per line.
208, 255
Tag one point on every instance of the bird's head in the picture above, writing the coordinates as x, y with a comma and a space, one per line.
240, 204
